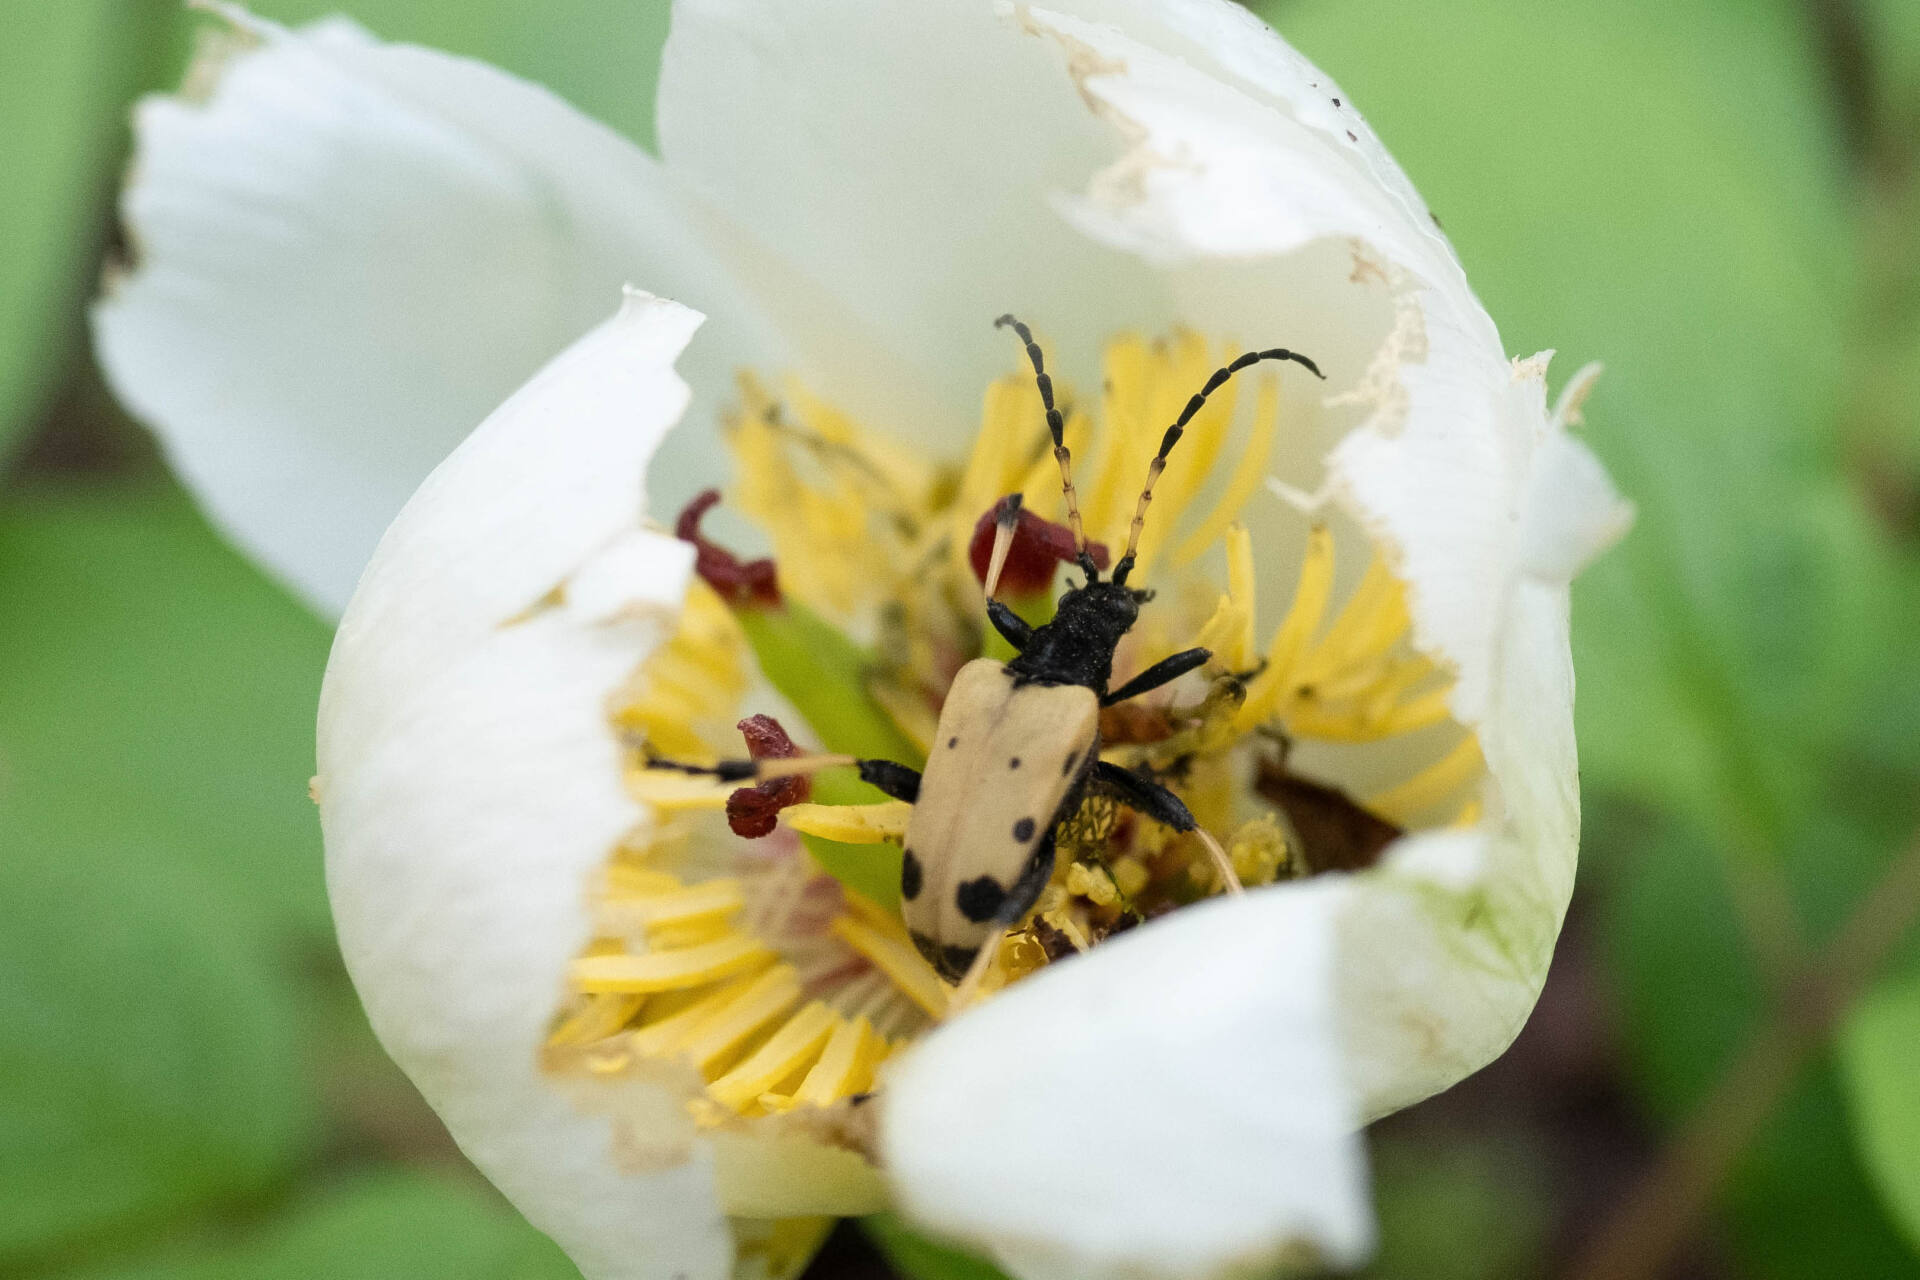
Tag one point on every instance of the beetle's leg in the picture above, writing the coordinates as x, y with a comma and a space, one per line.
896, 780
1161, 672
1160, 804
1009, 624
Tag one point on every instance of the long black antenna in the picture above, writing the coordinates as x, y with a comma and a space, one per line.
1057, 428
1179, 428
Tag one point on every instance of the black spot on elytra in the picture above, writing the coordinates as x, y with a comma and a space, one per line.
1067, 768
910, 876
952, 742
1023, 830
1014, 763
979, 898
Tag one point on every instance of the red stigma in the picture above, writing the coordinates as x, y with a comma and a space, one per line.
738, 581
752, 811
1039, 547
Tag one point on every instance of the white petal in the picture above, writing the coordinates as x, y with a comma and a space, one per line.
469, 783
901, 159
1175, 1105
348, 253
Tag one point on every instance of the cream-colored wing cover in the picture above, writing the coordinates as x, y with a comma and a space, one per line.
1000, 767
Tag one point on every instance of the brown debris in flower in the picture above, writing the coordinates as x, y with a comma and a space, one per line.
739, 582
752, 812
1039, 547
1053, 941
1336, 832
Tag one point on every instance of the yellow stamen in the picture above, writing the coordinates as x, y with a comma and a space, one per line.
663, 1033
894, 956
789, 1049
726, 1030
1229, 632
599, 1017
1303, 619
1248, 475
666, 970
673, 792
852, 823
1432, 786
846, 1064
682, 904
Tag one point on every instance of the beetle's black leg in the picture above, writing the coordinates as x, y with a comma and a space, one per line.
1009, 624
1161, 672
1160, 804
896, 780
1146, 795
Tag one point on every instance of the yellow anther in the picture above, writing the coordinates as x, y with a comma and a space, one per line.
662, 1033
670, 792
846, 1064
709, 901
1247, 476
667, 970
785, 1053
598, 1017
852, 823
1433, 786
767, 997
895, 957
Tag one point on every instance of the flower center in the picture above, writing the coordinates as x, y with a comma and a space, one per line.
775, 972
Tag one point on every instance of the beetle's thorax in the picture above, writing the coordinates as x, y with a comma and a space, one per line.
1077, 646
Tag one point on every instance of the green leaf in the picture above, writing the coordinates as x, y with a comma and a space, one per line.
148, 1046
1798, 1201
66, 71
918, 1258
1660, 187
1471, 1208
155, 687
155, 713
603, 56
1880, 1054
391, 1224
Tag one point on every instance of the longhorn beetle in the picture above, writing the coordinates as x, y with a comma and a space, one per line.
1019, 743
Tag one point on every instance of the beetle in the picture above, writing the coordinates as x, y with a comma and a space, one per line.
1018, 743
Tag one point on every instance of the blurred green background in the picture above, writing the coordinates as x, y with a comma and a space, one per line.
1721, 198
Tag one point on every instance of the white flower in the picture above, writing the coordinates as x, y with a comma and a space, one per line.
348, 252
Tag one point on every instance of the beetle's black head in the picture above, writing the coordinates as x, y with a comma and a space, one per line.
1077, 646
